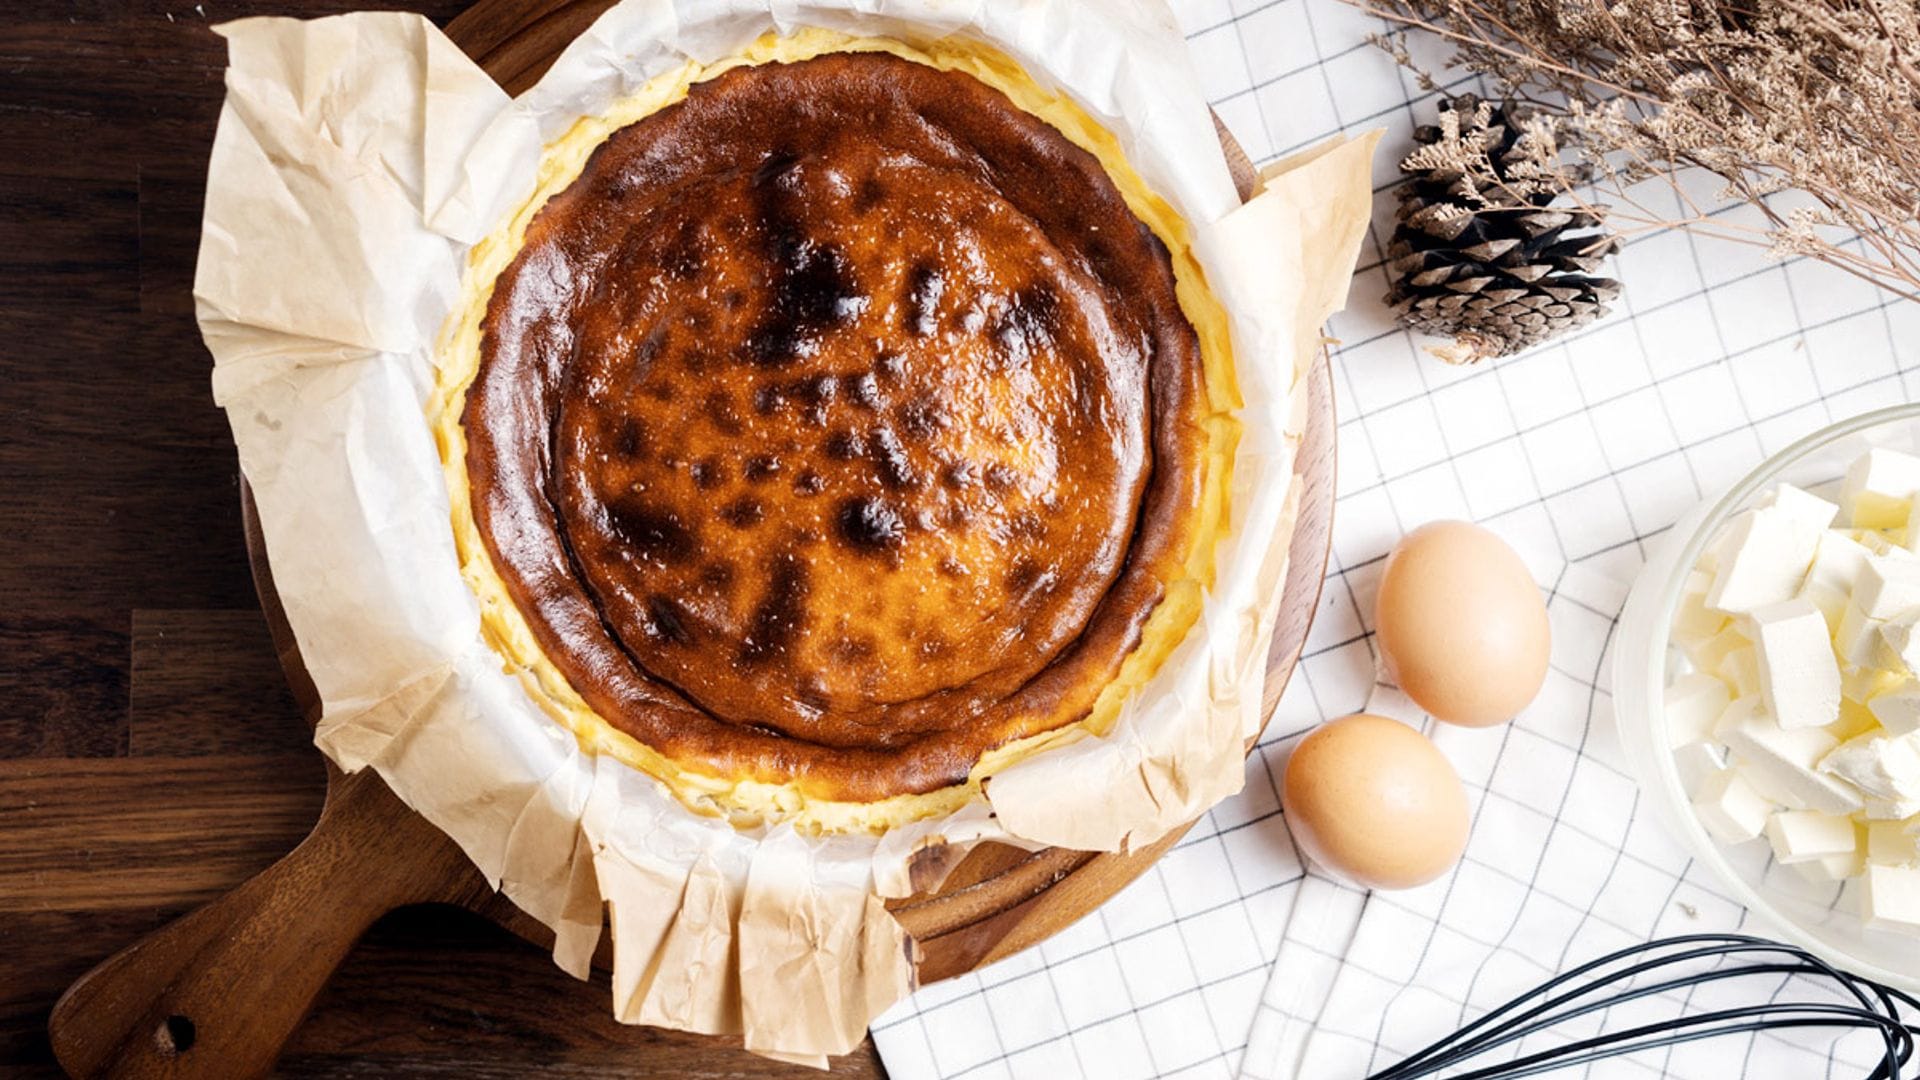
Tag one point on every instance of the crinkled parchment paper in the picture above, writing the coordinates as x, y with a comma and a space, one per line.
357, 158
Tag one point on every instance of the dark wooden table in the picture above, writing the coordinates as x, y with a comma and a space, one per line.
138, 693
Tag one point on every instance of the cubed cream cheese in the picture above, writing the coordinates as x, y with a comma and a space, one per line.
1800, 714
1890, 897
1898, 712
1722, 540
1879, 488
1890, 545
1838, 560
1876, 809
1872, 510
1738, 712
1831, 603
1855, 719
1810, 512
1731, 809
1865, 684
1764, 560
1901, 635
1882, 767
1696, 761
1694, 620
1830, 868
1741, 670
1882, 513
1706, 655
1890, 844
1842, 866
1694, 704
1799, 678
1782, 762
1888, 587
1804, 835
1857, 640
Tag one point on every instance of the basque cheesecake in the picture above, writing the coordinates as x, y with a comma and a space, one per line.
835, 425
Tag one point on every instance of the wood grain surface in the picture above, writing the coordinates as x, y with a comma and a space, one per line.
151, 756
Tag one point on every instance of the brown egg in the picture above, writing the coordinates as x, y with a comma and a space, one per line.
1373, 800
1461, 626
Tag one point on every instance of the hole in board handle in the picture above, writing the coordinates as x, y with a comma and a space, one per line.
174, 1035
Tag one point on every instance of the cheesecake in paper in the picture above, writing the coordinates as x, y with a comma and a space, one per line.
784, 441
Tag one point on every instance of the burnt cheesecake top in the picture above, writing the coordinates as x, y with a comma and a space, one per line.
837, 425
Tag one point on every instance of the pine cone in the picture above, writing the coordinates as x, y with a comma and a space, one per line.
1479, 254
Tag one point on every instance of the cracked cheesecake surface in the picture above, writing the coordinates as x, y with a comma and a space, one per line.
837, 426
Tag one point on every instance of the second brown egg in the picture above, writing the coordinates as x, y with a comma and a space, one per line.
1460, 624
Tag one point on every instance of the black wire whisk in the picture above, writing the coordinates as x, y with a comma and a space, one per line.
1609, 981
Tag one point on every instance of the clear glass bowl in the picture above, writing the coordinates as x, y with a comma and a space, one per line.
1822, 918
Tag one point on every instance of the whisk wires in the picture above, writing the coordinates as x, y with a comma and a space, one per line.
1611, 981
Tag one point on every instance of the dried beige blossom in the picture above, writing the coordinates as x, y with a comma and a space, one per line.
1815, 97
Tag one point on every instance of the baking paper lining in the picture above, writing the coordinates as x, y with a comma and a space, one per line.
357, 158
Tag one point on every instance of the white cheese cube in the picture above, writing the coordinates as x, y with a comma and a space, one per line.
1879, 488
1898, 712
1854, 720
1865, 684
1890, 844
1877, 809
1842, 866
1813, 872
1693, 620
1838, 560
1901, 635
1882, 767
1857, 639
1721, 543
1695, 762
1888, 545
1772, 786
1738, 712
1764, 560
1809, 511
1799, 679
1694, 703
1781, 762
1829, 869
1730, 809
1831, 603
1707, 655
1890, 897
1887, 587
1881, 513
1741, 669
1804, 835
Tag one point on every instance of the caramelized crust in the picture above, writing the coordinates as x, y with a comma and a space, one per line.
837, 425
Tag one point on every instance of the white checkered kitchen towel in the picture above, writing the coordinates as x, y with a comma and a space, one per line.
1227, 958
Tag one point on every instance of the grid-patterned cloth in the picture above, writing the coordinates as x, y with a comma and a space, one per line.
1577, 454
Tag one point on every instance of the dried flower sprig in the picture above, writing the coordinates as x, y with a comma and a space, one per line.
1809, 110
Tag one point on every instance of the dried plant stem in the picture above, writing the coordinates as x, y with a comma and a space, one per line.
1416, 23
1815, 97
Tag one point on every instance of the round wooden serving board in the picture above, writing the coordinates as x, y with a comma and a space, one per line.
216, 993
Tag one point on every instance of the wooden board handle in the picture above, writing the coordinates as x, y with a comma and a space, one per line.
217, 993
